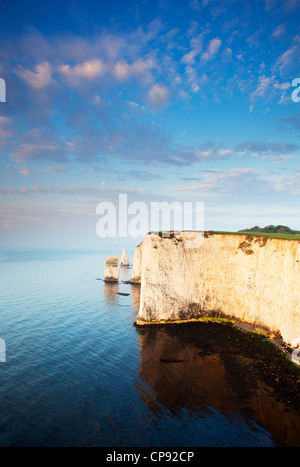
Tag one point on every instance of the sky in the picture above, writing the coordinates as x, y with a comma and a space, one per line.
158, 100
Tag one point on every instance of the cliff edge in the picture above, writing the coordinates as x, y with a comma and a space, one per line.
245, 277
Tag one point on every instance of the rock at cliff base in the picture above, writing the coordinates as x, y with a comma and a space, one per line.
111, 271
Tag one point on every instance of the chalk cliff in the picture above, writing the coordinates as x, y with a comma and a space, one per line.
249, 278
137, 264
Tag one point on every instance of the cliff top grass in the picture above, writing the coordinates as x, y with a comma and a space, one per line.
271, 231
258, 234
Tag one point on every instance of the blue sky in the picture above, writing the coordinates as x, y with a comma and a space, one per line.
162, 100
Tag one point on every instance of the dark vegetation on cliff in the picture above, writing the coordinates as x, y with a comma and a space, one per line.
278, 231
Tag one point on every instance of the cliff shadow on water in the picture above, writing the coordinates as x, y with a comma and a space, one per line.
211, 366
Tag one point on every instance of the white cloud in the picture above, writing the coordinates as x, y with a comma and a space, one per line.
87, 70
54, 169
282, 86
6, 130
229, 183
189, 57
289, 60
38, 79
158, 96
285, 5
227, 54
139, 69
197, 5
212, 50
25, 171
121, 70
262, 87
5, 120
278, 31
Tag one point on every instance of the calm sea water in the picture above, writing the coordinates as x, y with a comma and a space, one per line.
79, 373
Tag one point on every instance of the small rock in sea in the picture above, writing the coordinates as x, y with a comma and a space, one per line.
111, 271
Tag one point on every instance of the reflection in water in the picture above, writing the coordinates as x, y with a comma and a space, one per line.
197, 369
135, 297
125, 272
114, 290
110, 293
179, 376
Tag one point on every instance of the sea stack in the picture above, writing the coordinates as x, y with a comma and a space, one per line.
125, 261
111, 271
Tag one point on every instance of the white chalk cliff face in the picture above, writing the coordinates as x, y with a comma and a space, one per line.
254, 279
137, 264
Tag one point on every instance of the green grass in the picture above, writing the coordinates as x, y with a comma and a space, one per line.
260, 234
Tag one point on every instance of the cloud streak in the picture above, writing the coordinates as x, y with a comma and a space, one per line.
64, 190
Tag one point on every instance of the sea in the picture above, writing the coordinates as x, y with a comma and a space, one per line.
76, 371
